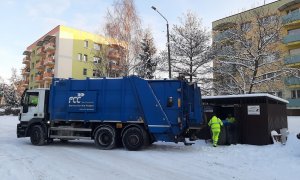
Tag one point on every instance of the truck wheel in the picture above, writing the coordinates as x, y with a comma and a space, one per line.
146, 138
37, 135
105, 138
133, 139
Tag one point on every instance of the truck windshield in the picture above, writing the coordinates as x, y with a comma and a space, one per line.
31, 98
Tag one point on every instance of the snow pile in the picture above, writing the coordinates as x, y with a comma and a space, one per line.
82, 160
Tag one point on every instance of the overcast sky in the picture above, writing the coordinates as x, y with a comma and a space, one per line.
23, 22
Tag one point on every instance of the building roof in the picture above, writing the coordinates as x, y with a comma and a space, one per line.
273, 6
288, 4
246, 96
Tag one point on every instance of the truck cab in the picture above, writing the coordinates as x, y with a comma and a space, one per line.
34, 109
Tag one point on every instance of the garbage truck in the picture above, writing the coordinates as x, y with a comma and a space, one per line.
128, 111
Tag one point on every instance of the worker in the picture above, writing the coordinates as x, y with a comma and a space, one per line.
215, 125
230, 119
33, 100
231, 130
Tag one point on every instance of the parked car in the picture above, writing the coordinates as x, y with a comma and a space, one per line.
298, 136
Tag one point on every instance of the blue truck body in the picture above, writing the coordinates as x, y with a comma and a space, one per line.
166, 108
128, 111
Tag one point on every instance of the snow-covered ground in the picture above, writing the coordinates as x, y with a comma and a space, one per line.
82, 160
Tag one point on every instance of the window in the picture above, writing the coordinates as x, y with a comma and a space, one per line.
267, 38
86, 44
97, 60
84, 72
269, 75
295, 51
294, 32
85, 57
113, 62
271, 58
295, 94
267, 20
96, 73
248, 43
79, 56
97, 46
279, 94
292, 11
245, 27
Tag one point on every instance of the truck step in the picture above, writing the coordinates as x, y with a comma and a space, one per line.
69, 129
69, 137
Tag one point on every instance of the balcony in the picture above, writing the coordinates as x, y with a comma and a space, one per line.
25, 71
292, 82
39, 65
26, 60
292, 39
114, 55
292, 60
49, 47
39, 79
114, 67
25, 83
225, 35
292, 18
49, 61
48, 76
40, 51
293, 103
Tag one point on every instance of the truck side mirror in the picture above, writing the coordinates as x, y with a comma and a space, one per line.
170, 102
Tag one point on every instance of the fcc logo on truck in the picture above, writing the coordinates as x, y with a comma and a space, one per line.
76, 99
82, 101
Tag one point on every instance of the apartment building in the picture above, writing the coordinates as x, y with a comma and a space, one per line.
286, 48
66, 52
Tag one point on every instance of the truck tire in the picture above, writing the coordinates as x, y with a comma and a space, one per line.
105, 138
133, 139
37, 135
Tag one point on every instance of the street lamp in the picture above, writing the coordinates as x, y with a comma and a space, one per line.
169, 56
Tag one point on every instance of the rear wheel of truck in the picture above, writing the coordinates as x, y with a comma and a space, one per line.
37, 135
105, 137
133, 139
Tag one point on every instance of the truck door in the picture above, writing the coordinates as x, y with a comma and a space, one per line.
30, 106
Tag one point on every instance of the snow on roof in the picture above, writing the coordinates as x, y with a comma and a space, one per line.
247, 95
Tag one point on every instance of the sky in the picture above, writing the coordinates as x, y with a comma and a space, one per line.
23, 22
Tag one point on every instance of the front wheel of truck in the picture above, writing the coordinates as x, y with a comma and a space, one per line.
37, 135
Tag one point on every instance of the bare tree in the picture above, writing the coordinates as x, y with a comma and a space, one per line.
124, 25
189, 44
147, 61
247, 54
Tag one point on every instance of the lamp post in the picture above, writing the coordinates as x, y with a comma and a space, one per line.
169, 56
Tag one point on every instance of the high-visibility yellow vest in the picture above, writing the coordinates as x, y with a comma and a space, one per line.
215, 123
231, 119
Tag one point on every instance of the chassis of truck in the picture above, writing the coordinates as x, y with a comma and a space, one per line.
127, 111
